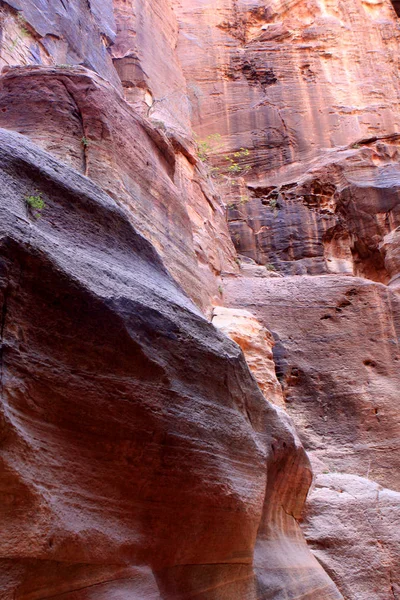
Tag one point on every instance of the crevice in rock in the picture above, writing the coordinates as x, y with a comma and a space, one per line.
396, 6
84, 139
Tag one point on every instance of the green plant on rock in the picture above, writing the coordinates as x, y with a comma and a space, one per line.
210, 144
236, 165
22, 22
35, 205
270, 267
273, 204
85, 142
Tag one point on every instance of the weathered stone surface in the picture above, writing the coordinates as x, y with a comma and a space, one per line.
145, 57
257, 343
337, 357
168, 197
316, 190
139, 458
353, 525
274, 78
390, 248
55, 32
332, 218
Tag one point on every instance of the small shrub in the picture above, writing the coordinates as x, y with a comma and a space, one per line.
159, 124
270, 267
273, 204
22, 22
221, 290
85, 142
35, 204
208, 145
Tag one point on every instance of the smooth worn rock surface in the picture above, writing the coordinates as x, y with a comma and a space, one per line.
353, 525
139, 458
337, 358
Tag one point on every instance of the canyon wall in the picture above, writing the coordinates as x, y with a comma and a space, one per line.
165, 164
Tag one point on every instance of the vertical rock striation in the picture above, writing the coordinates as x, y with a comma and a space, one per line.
139, 458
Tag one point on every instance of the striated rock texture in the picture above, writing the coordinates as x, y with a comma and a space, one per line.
316, 189
170, 201
337, 357
139, 459
58, 32
297, 106
141, 143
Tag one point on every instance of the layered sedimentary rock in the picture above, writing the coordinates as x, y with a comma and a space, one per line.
139, 458
333, 218
337, 358
353, 524
154, 176
297, 103
48, 32
315, 191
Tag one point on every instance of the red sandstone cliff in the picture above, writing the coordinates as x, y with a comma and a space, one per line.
162, 163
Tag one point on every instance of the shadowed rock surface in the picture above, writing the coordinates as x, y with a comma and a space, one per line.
138, 453
170, 200
139, 460
337, 358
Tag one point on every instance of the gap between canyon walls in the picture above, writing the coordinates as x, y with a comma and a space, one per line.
296, 106
122, 475
301, 143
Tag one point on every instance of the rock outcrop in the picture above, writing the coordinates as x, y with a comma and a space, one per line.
139, 458
164, 164
337, 358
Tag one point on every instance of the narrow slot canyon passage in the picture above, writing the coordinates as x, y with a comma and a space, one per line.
200, 300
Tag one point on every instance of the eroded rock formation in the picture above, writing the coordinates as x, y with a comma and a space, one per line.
166, 162
132, 432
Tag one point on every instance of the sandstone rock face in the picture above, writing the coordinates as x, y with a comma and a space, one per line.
337, 358
297, 105
353, 525
332, 219
139, 458
169, 198
316, 189
48, 32
257, 343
